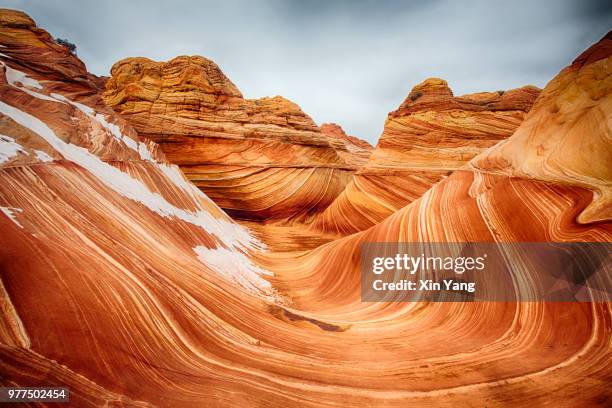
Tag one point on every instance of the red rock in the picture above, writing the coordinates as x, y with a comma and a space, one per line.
258, 159
359, 150
124, 282
430, 135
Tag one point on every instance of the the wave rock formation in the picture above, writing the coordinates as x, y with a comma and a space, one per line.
127, 282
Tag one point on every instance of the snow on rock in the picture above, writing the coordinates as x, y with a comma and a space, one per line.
174, 173
238, 268
14, 77
144, 153
42, 156
22, 82
10, 212
131, 143
9, 148
229, 233
228, 229
113, 129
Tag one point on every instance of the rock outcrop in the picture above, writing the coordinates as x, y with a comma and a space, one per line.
359, 150
124, 282
258, 159
94, 225
37, 50
430, 135
567, 138
534, 187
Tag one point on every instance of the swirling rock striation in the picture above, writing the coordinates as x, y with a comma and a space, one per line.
527, 189
359, 150
567, 139
429, 136
258, 159
94, 226
126, 283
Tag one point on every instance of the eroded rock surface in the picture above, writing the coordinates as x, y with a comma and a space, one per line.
430, 135
123, 281
258, 159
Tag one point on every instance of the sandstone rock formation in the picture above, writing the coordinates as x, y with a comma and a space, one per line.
567, 139
517, 191
359, 150
429, 136
124, 282
89, 216
36, 49
258, 159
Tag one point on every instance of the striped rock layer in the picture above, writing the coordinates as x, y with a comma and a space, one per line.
258, 159
429, 136
359, 150
124, 282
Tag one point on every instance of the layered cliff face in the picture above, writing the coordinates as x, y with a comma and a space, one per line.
429, 136
567, 139
359, 151
36, 49
538, 186
258, 159
126, 283
95, 226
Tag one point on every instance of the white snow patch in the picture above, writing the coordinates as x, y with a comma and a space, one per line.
37, 95
10, 212
178, 178
42, 156
131, 143
237, 267
145, 154
228, 232
9, 148
113, 129
14, 76
232, 234
82, 107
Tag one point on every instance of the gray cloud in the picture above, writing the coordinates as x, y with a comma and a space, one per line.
349, 62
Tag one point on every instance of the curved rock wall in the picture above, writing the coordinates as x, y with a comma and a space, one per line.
123, 281
258, 159
429, 136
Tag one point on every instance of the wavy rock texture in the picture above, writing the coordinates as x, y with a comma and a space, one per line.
552, 146
429, 136
258, 159
36, 49
126, 283
359, 150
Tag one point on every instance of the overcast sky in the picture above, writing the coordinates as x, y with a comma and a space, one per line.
349, 62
